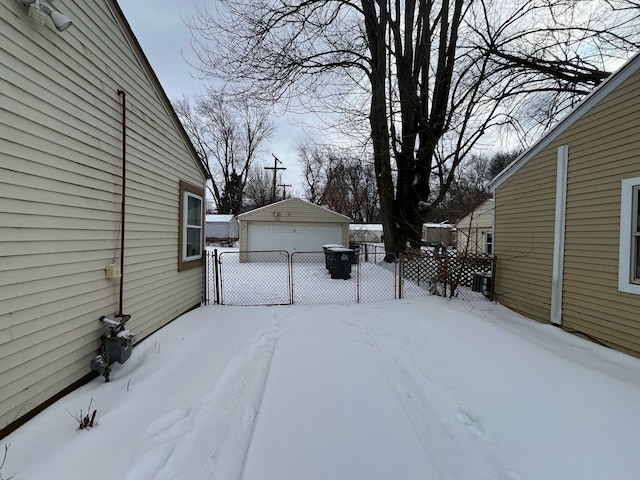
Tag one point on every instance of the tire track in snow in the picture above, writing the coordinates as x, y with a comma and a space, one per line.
210, 438
435, 417
240, 412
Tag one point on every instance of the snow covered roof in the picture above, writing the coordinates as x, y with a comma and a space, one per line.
219, 218
372, 227
438, 225
291, 203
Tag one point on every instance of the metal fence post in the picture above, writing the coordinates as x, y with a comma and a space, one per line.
216, 276
357, 278
290, 271
205, 279
401, 274
494, 265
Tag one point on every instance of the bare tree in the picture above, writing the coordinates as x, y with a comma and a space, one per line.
434, 75
470, 188
340, 181
258, 190
228, 134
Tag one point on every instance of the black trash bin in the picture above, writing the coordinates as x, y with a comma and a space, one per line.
327, 258
340, 263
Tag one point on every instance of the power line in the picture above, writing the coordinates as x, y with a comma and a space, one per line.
284, 189
275, 169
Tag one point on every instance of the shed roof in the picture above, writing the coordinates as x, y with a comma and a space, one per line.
590, 101
219, 218
439, 225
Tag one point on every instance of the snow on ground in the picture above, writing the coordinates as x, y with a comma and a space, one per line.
425, 388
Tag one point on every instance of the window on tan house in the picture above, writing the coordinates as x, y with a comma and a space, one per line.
635, 233
629, 252
190, 237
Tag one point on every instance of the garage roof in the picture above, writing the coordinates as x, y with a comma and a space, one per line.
294, 210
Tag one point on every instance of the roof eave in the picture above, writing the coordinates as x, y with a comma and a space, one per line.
591, 100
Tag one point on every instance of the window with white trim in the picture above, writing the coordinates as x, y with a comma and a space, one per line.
191, 226
489, 243
635, 234
629, 258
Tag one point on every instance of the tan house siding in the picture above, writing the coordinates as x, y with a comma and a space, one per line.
524, 224
603, 149
60, 184
603, 146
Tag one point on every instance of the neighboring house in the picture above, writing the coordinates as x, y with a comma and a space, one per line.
293, 225
365, 233
475, 230
433, 233
567, 220
81, 110
222, 227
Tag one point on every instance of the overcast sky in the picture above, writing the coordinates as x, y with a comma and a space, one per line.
159, 26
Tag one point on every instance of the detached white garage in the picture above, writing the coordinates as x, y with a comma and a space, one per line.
293, 225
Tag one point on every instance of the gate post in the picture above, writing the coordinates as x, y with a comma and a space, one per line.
216, 274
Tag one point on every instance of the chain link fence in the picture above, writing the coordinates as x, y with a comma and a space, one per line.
277, 278
250, 278
311, 280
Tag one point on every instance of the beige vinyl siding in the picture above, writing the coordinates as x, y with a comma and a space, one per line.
524, 229
60, 169
604, 148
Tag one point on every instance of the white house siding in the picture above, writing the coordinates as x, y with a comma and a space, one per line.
60, 183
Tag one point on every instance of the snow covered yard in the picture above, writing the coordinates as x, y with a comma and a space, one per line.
424, 388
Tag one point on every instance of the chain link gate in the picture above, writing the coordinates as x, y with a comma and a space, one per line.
277, 278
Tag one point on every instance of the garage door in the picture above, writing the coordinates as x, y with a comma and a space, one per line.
293, 237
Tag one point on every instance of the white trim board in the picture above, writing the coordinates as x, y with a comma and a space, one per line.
557, 278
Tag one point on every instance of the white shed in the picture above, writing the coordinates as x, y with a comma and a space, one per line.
294, 225
222, 227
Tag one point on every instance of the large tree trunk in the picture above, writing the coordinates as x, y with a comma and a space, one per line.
376, 28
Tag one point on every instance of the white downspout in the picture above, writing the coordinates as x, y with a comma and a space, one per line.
559, 233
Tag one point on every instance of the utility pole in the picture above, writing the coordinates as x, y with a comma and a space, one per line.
284, 189
275, 169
